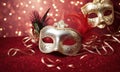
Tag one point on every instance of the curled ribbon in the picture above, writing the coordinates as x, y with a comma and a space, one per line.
97, 44
50, 63
14, 51
83, 56
71, 66
54, 64
25, 42
28, 42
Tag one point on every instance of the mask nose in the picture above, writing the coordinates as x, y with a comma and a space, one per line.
101, 22
101, 19
56, 48
57, 44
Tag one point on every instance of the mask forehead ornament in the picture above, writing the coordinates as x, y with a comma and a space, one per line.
99, 13
59, 38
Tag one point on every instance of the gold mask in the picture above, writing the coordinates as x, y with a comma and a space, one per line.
99, 13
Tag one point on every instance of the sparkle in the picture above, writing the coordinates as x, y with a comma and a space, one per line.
71, 66
18, 33
41, 8
56, 10
62, 1
21, 4
4, 36
44, 2
56, 14
55, 19
5, 19
50, 14
71, 2
33, 6
119, 3
29, 2
38, 1
76, 4
81, 3
26, 5
19, 18
4, 4
17, 6
54, 6
1, 29
24, 11
10, 14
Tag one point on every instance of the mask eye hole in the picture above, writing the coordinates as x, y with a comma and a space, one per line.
92, 15
107, 12
47, 40
69, 41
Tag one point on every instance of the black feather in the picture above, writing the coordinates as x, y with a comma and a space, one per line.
44, 17
38, 22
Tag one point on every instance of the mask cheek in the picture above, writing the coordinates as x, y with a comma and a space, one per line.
109, 19
46, 45
93, 22
47, 48
70, 50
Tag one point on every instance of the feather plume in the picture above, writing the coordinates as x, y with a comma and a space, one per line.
37, 21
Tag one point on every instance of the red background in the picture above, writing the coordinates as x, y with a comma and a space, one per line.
15, 24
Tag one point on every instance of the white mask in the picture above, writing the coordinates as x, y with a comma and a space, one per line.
58, 36
99, 12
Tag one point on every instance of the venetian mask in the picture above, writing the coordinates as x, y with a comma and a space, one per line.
99, 13
59, 38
